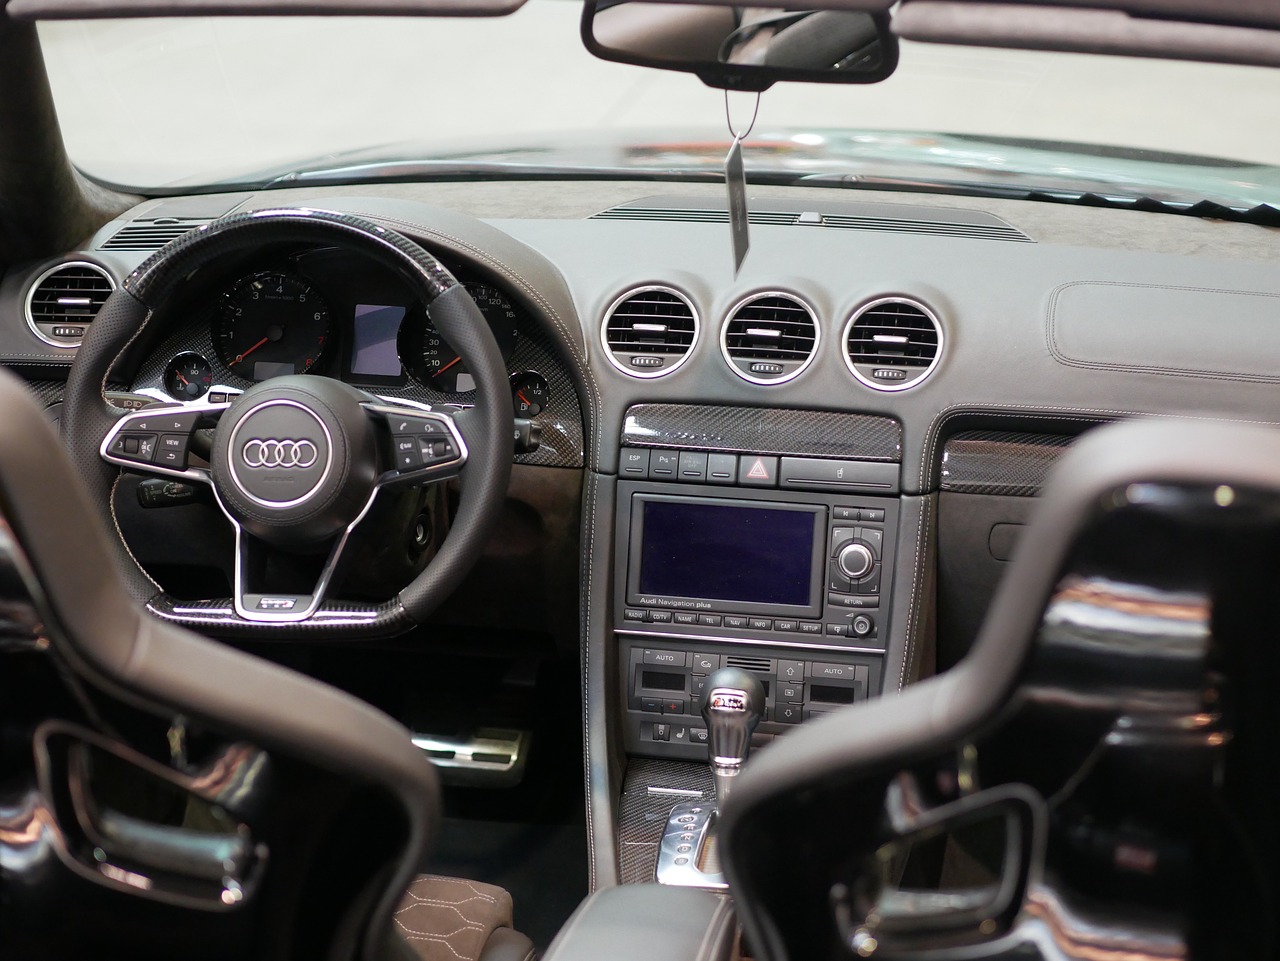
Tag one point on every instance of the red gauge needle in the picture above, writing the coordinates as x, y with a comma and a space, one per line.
445, 367
250, 350
185, 383
523, 398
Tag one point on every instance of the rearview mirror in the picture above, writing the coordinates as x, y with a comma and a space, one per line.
742, 48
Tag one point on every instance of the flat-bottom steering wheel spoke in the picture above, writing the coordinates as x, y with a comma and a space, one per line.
254, 602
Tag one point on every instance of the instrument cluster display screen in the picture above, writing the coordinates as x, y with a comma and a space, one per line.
729, 551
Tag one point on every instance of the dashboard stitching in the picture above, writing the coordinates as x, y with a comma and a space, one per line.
584, 645
913, 606
1064, 359
529, 290
1073, 414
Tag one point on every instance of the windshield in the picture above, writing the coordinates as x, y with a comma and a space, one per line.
149, 103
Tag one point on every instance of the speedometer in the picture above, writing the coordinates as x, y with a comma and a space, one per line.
272, 323
431, 359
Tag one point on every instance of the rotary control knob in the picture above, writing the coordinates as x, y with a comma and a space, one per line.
855, 561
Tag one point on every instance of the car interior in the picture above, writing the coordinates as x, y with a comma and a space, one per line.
489, 561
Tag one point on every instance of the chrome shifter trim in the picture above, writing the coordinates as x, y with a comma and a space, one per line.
685, 846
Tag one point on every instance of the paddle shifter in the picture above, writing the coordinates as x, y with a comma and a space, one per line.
733, 706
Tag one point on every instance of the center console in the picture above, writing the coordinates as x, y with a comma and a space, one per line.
775, 565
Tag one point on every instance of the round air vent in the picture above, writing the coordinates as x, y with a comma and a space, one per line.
770, 338
649, 331
892, 343
63, 301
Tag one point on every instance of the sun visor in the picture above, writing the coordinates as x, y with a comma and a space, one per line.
108, 9
1239, 33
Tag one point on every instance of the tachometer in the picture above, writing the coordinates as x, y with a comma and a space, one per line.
434, 363
272, 323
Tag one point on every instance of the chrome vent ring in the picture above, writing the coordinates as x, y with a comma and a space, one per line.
63, 301
649, 331
892, 343
770, 337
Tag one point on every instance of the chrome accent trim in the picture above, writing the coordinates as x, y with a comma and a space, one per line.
702, 817
31, 290
672, 792
641, 373
878, 302
125, 423
322, 582
732, 314
464, 751
232, 453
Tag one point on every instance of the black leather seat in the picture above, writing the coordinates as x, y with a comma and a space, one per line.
1095, 779
163, 795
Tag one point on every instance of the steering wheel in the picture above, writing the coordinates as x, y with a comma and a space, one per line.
297, 461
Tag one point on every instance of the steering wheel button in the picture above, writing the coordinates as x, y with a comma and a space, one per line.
178, 422
135, 447
408, 459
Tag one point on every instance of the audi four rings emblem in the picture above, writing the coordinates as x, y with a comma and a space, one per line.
272, 453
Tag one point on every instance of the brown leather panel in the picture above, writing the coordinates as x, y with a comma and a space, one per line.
451, 919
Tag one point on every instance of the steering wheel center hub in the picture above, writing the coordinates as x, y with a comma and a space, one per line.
281, 454
295, 460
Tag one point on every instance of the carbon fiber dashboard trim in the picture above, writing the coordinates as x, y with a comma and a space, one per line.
642, 816
763, 430
1000, 462
46, 391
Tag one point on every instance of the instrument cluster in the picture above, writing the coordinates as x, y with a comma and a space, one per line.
327, 312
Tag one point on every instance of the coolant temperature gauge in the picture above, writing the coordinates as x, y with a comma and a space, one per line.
529, 393
187, 377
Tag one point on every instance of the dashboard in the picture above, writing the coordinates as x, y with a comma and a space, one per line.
883, 386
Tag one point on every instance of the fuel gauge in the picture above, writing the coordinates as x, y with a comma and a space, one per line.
187, 377
529, 393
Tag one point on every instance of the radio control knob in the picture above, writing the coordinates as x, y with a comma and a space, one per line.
856, 561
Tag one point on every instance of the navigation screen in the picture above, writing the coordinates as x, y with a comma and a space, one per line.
373, 349
762, 555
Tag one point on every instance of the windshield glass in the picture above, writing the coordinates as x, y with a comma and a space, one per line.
150, 103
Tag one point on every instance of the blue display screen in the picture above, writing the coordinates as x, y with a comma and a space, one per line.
726, 552
373, 349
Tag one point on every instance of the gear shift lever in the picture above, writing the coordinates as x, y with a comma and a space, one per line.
733, 706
